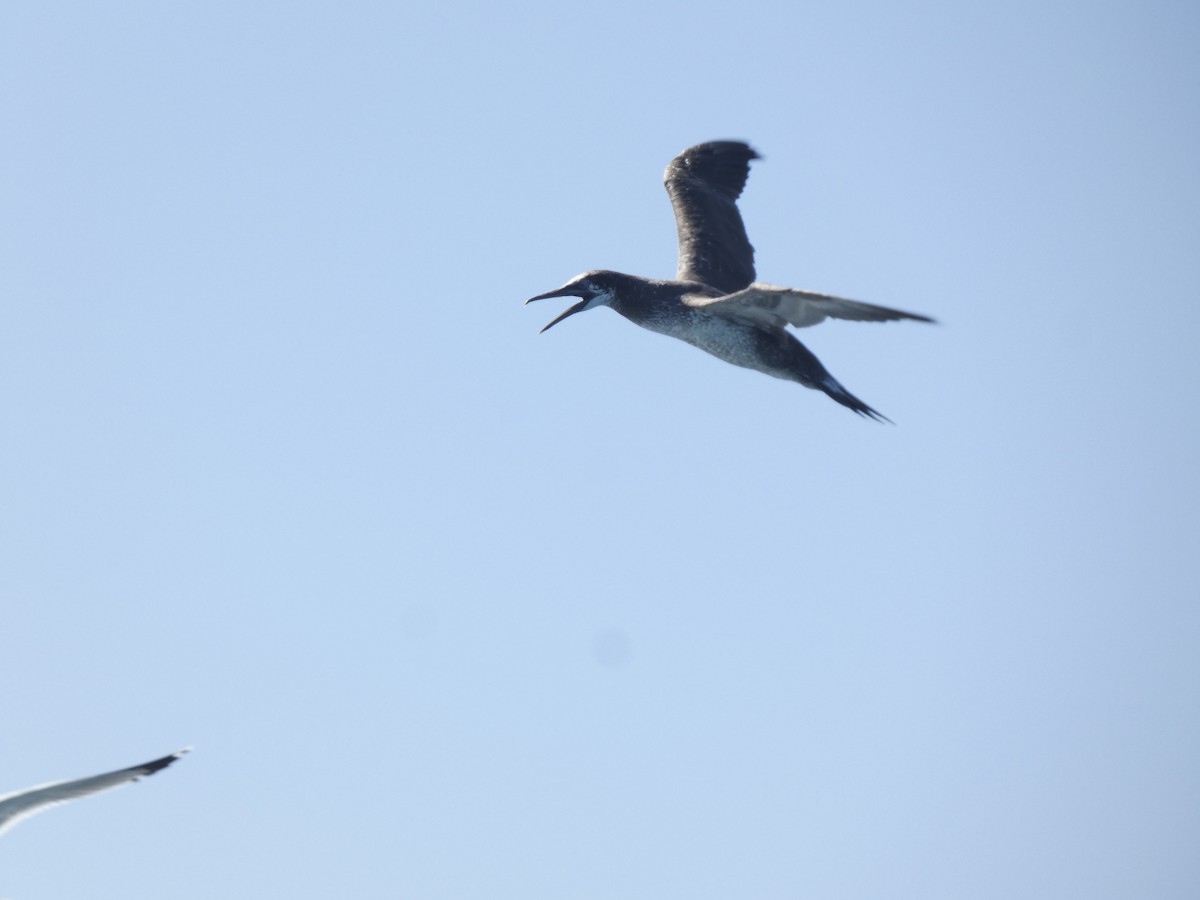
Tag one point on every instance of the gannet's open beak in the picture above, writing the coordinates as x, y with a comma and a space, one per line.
568, 291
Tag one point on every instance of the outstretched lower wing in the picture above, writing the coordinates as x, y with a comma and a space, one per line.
772, 305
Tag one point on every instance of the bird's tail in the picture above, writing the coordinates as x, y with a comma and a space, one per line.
802, 366
834, 389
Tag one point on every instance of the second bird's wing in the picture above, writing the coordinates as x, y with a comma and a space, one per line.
22, 804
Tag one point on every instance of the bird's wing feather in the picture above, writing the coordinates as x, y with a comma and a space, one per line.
704, 183
772, 305
21, 804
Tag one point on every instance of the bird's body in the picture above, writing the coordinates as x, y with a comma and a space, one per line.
714, 303
21, 804
723, 337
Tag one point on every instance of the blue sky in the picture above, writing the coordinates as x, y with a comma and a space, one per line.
450, 609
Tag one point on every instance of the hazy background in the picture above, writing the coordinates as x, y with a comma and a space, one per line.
450, 609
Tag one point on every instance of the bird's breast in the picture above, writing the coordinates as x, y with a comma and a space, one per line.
735, 342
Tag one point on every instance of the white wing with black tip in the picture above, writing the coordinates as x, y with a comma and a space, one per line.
22, 804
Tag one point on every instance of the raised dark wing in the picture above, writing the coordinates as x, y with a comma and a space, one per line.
22, 804
704, 183
771, 305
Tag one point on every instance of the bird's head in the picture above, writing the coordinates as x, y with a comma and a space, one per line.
596, 289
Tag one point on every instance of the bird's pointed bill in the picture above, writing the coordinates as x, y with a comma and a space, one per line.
569, 311
565, 291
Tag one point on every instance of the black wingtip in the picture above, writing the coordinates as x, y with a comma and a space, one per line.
723, 165
157, 765
917, 317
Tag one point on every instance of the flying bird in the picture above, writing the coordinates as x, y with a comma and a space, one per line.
23, 804
714, 303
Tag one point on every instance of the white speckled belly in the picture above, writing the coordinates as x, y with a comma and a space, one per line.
724, 338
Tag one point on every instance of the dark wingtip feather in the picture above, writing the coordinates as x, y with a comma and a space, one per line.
157, 765
723, 165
